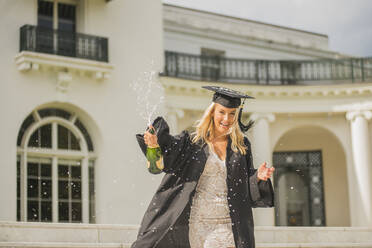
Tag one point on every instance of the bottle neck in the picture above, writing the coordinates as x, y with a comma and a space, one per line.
153, 146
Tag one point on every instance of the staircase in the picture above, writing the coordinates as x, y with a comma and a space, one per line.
63, 235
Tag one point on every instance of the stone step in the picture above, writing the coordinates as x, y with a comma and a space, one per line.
117, 234
61, 245
314, 245
119, 245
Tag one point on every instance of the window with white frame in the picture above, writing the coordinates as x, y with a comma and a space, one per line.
212, 64
55, 168
56, 15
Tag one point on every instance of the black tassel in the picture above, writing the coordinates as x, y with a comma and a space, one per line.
243, 127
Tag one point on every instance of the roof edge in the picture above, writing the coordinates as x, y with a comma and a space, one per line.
245, 20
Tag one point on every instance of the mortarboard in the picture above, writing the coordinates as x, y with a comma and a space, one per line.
230, 99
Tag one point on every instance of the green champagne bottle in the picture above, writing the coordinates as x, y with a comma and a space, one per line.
154, 158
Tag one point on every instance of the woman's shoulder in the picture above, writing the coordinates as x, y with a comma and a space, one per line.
192, 135
186, 134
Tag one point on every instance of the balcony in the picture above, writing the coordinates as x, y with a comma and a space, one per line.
267, 72
64, 52
42, 40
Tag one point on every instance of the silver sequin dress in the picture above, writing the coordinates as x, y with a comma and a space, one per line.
210, 222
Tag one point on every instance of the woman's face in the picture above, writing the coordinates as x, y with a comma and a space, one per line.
223, 118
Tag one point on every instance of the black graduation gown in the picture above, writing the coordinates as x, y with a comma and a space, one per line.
165, 223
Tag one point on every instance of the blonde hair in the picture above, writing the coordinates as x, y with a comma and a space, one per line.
205, 131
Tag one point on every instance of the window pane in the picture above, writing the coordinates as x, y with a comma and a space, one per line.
18, 210
63, 171
18, 166
18, 176
66, 139
46, 211
76, 172
46, 189
66, 17
63, 189
62, 137
18, 188
45, 14
26, 123
91, 193
54, 112
46, 136
211, 63
32, 211
42, 137
32, 169
33, 188
74, 142
34, 139
66, 24
85, 133
63, 211
46, 170
76, 211
76, 190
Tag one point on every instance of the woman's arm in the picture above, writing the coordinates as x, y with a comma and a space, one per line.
261, 191
171, 146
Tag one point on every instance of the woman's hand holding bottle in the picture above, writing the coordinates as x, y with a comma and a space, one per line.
153, 153
150, 137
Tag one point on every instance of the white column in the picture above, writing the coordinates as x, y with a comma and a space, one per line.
361, 191
261, 151
172, 119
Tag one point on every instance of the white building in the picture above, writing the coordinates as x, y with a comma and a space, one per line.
311, 111
67, 105
69, 117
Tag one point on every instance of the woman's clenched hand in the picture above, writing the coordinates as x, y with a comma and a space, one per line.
151, 140
264, 173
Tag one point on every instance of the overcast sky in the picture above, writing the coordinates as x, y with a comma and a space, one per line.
348, 23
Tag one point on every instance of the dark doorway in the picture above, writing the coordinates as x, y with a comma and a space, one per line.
298, 181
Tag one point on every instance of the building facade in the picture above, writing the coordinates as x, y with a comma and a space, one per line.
69, 152
312, 109
71, 107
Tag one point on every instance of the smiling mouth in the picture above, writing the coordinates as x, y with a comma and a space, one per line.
224, 125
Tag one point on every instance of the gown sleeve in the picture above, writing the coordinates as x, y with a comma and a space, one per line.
172, 147
262, 193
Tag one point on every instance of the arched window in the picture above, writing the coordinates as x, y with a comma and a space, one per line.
55, 168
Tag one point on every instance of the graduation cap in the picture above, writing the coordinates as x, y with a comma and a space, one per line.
230, 99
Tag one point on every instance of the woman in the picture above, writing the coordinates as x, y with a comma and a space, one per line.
210, 185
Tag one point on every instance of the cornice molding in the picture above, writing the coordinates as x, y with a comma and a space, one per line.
170, 27
352, 115
179, 86
180, 113
269, 117
175, 18
32, 61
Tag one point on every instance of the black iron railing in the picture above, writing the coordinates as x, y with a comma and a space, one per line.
217, 68
43, 40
